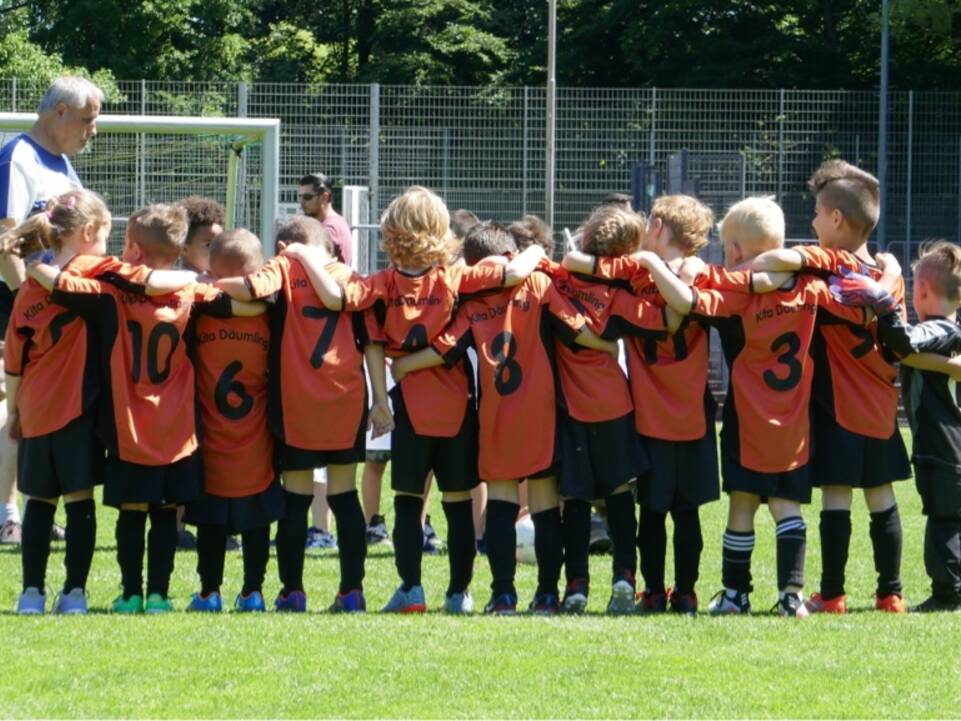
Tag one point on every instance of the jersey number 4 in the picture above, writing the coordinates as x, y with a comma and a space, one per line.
156, 373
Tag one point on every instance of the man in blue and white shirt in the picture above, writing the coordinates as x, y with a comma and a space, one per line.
34, 167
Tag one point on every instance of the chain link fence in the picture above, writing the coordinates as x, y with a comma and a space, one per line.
483, 148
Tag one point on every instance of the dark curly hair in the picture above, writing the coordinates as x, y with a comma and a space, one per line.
201, 212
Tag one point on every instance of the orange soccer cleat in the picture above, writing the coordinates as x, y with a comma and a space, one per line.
818, 604
892, 603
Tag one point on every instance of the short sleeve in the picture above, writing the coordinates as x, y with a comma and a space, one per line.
360, 293
475, 278
622, 267
15, 192
826, 302
716, 277
561, 308
452, 343
933, 336
70, 284
268, 279
210, 300
718, 303
633, 315
13, 347
826, 260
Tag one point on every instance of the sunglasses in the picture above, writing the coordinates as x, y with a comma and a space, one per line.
307, 196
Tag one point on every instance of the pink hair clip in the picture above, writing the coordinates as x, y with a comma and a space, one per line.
71, 202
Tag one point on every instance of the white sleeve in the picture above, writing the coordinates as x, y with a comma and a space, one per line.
16, 192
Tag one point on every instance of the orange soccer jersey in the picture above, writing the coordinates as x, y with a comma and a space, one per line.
855, 384
318, 395
411, 310
149, 399
593, 386
231, 363
668, 375
767, 340
513, 331
55, 351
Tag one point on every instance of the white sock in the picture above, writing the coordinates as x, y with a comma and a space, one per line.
9, 512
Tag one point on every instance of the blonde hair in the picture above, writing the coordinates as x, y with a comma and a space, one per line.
688, 219
756, 223
63, 215
160, 230
855, 192
416, 230
939, 263
610, 231
239, 250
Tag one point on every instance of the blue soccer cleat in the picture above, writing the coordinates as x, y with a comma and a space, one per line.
351, 602
411, 601
31, 602
211, 603
70, 604
459, 603
503, 605
251, 603
293, 602
545, 604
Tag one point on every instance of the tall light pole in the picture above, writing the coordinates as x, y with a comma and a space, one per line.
551, 128
883, 128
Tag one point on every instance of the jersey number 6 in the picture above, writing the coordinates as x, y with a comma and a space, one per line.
227, 384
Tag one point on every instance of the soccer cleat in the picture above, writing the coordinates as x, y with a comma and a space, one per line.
320, 540
791, 605
622, 596
186, 541
728, 602
459, 604
11, 533
251, 603
502, 605
31, 602
232, 543
58, 533
819, 604
600, 542
892, 603
211, 603
545, 604
411, 601
575, 596
684, 603
650, 602
293, 602
157, 604
432, 543
377, 531
127, 606
351, 602
937, 605
70, 604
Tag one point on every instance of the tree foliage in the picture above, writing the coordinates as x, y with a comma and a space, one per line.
676, 43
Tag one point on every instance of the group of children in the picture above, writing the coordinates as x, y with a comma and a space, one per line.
223, 393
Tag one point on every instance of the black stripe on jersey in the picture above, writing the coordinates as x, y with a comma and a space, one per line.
276, 317
609, 282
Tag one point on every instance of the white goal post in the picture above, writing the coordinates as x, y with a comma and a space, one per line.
265, 131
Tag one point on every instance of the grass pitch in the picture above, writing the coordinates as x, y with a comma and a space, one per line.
864, 664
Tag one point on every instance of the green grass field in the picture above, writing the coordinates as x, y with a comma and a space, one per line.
318, 665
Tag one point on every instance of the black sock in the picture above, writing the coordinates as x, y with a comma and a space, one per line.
835, 541
292, 541
461, 544
688, 544
736, 560
408, 539
131, 526
622, 526
886, 539
351, 539
502, 545
942, 557
81, 541
577, 538
791, 536
256, 550
548, 548
652, 543
35, 542
161, 550
211, 553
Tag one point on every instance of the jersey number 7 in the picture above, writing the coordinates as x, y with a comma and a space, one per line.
330, 318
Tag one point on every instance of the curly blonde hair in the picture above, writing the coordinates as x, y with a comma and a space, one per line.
610, 231
689, 220
416, 230
63, 215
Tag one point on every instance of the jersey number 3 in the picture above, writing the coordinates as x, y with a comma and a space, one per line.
790, 344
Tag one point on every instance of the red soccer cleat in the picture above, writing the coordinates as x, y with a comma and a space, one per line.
892, 603
819, 604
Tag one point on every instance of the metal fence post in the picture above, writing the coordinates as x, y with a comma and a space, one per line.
906, 259
13, 94
780, 151
652, 147
373, 155
242, 94
142, 154
524, 162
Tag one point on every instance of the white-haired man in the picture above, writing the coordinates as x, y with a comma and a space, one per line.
34, 167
